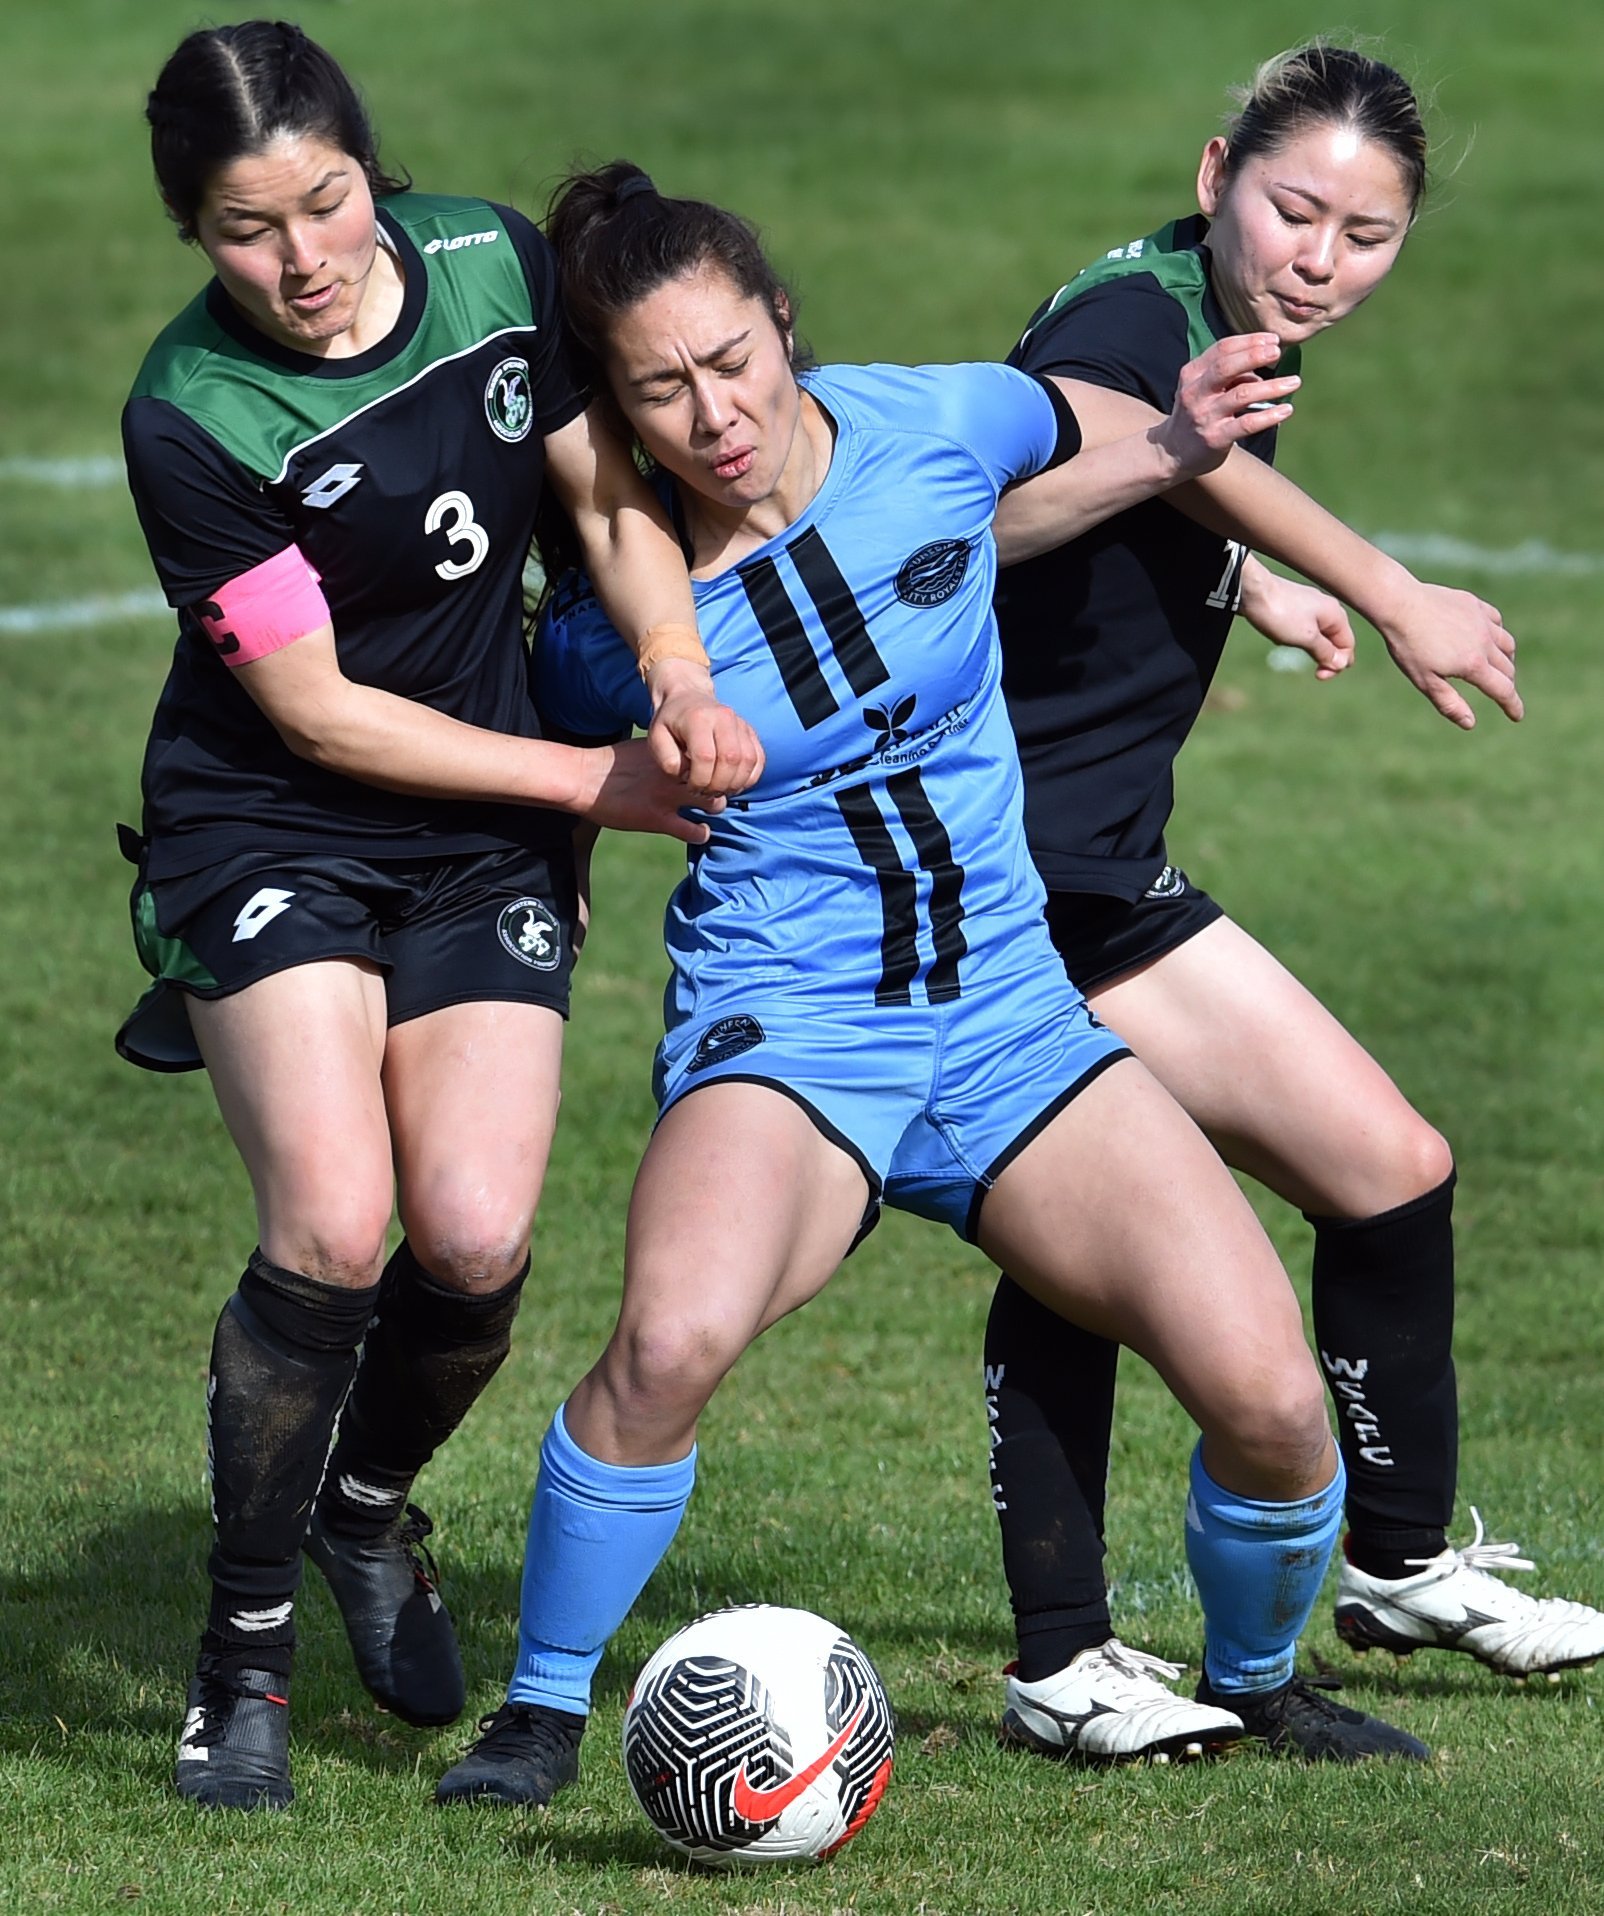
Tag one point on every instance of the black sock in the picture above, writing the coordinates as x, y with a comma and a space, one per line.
282, 1360
429, 1352
1384, 1321
1050, 1401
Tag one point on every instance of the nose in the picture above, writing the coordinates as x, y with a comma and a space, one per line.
1317, 256
712, 405
301, 253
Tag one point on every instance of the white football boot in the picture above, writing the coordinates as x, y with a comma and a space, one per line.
1454, 1603
1109, 1705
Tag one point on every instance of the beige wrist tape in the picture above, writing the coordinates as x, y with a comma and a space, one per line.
670, 642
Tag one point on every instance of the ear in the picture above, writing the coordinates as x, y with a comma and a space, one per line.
1211, 175
782, 319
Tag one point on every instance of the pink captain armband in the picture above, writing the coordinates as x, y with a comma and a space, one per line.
265, 609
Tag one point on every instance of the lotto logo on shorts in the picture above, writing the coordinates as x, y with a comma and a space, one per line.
728, 1038
529, 930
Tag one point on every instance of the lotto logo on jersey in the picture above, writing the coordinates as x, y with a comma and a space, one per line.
462, 239
509, 400
934, 573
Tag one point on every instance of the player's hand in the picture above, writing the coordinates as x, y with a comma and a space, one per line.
1302, 616
1438, 634
695, 737
1221, 399
623, 786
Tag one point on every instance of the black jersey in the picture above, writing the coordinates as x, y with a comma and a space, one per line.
408, 475
1110, 642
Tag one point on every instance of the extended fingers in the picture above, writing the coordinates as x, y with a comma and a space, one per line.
1239, 356
1495, 678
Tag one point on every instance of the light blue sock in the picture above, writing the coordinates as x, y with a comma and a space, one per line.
596, 1533
1258, 1569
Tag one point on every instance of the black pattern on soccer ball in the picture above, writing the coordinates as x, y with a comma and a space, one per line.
688, 1734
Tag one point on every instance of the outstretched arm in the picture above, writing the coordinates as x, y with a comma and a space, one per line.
1435, 634
1219, 400
403, 745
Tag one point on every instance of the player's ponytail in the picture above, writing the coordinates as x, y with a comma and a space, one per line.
1320, 85
229, 91
617, 239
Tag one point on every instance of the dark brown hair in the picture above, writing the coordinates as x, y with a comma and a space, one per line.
1320, 85
618, 239
229, 91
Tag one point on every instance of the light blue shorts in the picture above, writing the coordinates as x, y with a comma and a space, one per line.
932, 1101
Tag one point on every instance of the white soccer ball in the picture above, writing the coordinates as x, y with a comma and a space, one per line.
758, 1735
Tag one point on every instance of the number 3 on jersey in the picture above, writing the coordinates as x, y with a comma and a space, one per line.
454, 511
1227, 595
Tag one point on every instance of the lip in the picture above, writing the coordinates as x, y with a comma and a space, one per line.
734, 465
1299, 308
313, 302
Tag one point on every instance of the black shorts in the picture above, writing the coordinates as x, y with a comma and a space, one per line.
459, 929
1101, 938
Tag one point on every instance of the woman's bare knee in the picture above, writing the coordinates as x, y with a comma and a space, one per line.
1271, 1441
336, 1246
473, 1247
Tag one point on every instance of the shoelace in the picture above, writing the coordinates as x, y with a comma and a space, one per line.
415, 1528
1307, 1688
1137, 1663
1478, 1554
525, 1722
220, 1689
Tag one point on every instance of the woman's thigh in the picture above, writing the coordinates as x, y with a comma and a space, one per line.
1285, 1093
472, 1095
741, 1212
295, 1062
1121, 1217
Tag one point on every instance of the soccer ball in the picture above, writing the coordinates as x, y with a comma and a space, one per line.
758, 1735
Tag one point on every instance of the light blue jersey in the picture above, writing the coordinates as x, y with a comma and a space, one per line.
877, 874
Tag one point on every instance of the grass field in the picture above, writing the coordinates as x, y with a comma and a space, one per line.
926, 174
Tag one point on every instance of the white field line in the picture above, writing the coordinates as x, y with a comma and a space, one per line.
1438, 552
1434, 552
70, 475
67, 615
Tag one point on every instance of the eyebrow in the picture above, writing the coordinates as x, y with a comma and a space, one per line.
228, 212
710, 357
1322, 206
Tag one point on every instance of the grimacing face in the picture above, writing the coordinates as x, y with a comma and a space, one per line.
703, 375
1302, 235
291, 235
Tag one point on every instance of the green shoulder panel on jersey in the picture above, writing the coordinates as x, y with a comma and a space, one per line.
1171, 256
476, 291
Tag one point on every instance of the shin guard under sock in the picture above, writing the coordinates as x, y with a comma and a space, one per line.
597, 1531
429, 1352
1050, 1405
1258, 1569
1383, 1290
282, 1358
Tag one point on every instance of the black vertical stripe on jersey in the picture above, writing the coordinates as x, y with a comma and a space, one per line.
793, 653
934, 847
838, 611
899, 895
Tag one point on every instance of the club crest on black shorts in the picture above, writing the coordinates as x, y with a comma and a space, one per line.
529, 931
728, 1038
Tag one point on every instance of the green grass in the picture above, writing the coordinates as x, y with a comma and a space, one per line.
925, 174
